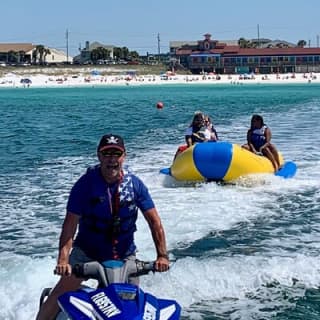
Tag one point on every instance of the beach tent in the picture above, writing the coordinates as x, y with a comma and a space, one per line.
26, 81
95, 73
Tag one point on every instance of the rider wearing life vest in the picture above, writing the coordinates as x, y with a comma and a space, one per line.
257, 137
103, 205
108, 214
258, 141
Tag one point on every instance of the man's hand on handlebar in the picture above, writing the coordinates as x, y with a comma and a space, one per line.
162, 264
63, 269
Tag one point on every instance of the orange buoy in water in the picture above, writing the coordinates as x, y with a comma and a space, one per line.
159, 105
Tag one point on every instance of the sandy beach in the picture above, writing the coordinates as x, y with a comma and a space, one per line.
95, 78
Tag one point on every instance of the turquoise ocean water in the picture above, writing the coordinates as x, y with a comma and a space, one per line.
243, 251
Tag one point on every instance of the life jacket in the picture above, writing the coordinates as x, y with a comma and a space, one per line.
258, 138
111, 216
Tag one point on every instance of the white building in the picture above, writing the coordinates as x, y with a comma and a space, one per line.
19, 53
57, 56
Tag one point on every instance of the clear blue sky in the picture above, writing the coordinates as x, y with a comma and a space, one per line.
136, 24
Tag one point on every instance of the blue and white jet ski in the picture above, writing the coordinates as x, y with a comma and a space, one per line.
114, 298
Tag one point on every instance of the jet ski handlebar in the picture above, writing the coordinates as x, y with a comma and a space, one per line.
112, 271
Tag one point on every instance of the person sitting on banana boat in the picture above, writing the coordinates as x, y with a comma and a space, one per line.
258, 141
213, 132
196, 132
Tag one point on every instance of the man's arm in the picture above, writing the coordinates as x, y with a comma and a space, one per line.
69, 229
159, 239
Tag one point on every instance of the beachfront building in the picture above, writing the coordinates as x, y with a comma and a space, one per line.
85, 56
55, 56
16, 53
28, 53
209, 55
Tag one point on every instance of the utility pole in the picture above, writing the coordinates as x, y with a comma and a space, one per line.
158, 47
67, 45
317, 40
258, 30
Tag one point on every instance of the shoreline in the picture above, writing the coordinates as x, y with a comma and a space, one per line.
12, 80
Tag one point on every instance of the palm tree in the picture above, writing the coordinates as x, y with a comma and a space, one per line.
41, 51
34, 55
12, 56
244, 43
301, 43
94, 55
100, 53
134, 55
121, 53
21, 56
46, 52
125, 53
117, 52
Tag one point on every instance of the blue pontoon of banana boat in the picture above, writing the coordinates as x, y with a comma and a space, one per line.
223, 161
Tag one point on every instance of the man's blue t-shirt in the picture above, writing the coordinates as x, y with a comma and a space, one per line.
91, 198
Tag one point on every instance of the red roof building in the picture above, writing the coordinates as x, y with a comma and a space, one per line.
214, 56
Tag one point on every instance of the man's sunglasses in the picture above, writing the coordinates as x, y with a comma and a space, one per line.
110, 153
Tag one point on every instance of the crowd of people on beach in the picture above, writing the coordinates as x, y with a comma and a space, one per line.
92, 79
